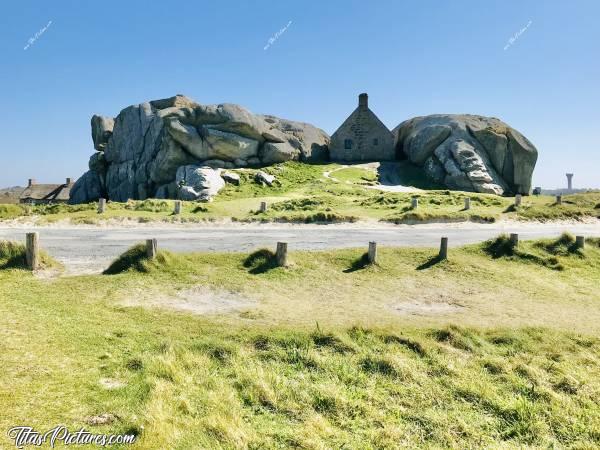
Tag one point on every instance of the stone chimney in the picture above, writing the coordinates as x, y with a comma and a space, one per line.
69, 181
363, 101
31, 182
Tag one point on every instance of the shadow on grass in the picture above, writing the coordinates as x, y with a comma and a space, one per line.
260, 261
360, 263
431, 262
510, 208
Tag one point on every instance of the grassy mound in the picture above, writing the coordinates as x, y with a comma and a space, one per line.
548, 253
356, 175
260, 261
12, 256
136, 260
450, 387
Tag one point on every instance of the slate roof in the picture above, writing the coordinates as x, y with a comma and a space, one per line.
47, 192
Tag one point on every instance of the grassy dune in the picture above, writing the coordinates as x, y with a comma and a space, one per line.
304, 194
324, 357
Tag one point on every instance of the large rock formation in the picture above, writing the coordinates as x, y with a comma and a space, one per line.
175, 148
470, 153
141, 150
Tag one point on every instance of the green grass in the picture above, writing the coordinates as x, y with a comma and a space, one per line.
575, 206
356, 175
303, 194
544, 252
12, 256
8, 211
323, 360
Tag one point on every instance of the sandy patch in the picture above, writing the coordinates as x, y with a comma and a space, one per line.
102, 419
111, 383
426, 308
201, 300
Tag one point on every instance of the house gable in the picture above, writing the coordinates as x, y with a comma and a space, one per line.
362, 137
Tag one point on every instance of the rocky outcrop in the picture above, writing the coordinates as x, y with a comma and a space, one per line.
198, 183
102, 128
176, 148
141, 151
231, 178
88, 186
471, 153
264, 178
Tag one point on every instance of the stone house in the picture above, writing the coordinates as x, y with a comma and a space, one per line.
362, 137
46, 194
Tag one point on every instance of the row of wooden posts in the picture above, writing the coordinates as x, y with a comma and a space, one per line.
263, 205
32, 254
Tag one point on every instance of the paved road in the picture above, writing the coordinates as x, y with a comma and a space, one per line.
89, 250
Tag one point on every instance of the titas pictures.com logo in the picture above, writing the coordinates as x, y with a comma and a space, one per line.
24, 436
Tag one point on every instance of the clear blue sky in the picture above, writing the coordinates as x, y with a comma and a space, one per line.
413, 58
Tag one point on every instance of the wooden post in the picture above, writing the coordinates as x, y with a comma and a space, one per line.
559, 199
467, 203
580, 242
101, 205
518, 199
32, 251
151, 248
263, 207
443, 249
372, 254
281, 254
514, 240
414, 202
177, 210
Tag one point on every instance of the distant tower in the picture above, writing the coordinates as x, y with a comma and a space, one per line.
570, 181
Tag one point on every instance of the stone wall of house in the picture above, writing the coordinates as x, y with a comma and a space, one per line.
369, 138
